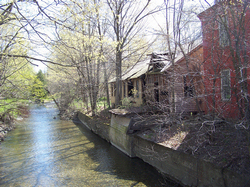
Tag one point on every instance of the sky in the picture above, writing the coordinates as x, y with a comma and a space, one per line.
155, 23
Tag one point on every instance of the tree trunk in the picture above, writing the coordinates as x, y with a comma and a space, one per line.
118, 76
106, 83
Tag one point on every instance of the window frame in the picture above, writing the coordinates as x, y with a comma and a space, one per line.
112, 89
223, 35
223, 85
188, 89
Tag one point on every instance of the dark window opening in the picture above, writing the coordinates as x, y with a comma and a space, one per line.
112, 89
164, 93
130, 89
188, 89
156, 92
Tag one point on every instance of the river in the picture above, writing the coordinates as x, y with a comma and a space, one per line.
43, 151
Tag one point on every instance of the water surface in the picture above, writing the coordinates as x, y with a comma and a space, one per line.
43, 151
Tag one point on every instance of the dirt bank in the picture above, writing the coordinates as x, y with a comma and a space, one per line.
8, 122
4, 129
221, 142
217, 141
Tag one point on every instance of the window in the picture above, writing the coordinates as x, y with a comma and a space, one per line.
130, 89
156, 78
112, 89
149, 79
156, 92
188, 89
225, 85
223, 32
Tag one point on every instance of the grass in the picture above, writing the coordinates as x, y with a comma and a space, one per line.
81, 106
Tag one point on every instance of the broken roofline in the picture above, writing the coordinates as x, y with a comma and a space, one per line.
181, 57
134, 71
158, 57
142, 67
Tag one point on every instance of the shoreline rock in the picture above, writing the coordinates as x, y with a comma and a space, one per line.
8, 124
4, 129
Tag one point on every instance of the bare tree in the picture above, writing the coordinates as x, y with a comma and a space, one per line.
84, 47
181, 35
125, 20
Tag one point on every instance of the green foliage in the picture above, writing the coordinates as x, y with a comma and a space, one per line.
38, 91
17, 80
40, 75
16, 73
126, 103
11, 107
102, 99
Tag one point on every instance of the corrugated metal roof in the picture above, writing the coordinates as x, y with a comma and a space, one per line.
142, 70
143, 67
135, 71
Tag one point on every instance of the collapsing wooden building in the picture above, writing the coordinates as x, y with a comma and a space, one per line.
184, 78
139, 79
171, 85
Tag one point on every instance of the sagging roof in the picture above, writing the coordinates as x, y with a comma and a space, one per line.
144, 67
135, 71
163, 58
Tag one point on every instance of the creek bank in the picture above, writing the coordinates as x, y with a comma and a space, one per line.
7, 122
4, 129
182, 167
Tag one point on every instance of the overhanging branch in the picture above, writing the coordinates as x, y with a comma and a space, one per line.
36, 59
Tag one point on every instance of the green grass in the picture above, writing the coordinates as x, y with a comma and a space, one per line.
77, 104
81, 106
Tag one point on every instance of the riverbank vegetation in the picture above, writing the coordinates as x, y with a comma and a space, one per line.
10, 110
18, 90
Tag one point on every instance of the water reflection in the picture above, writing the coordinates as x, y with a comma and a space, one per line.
43, 151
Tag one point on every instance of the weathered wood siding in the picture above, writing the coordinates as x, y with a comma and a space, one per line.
187, 73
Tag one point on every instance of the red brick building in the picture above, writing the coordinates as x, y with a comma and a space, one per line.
226, 53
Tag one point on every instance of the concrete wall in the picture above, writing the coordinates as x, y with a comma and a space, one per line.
184, 168
181, 167
95, 126
115, 133
118, 134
